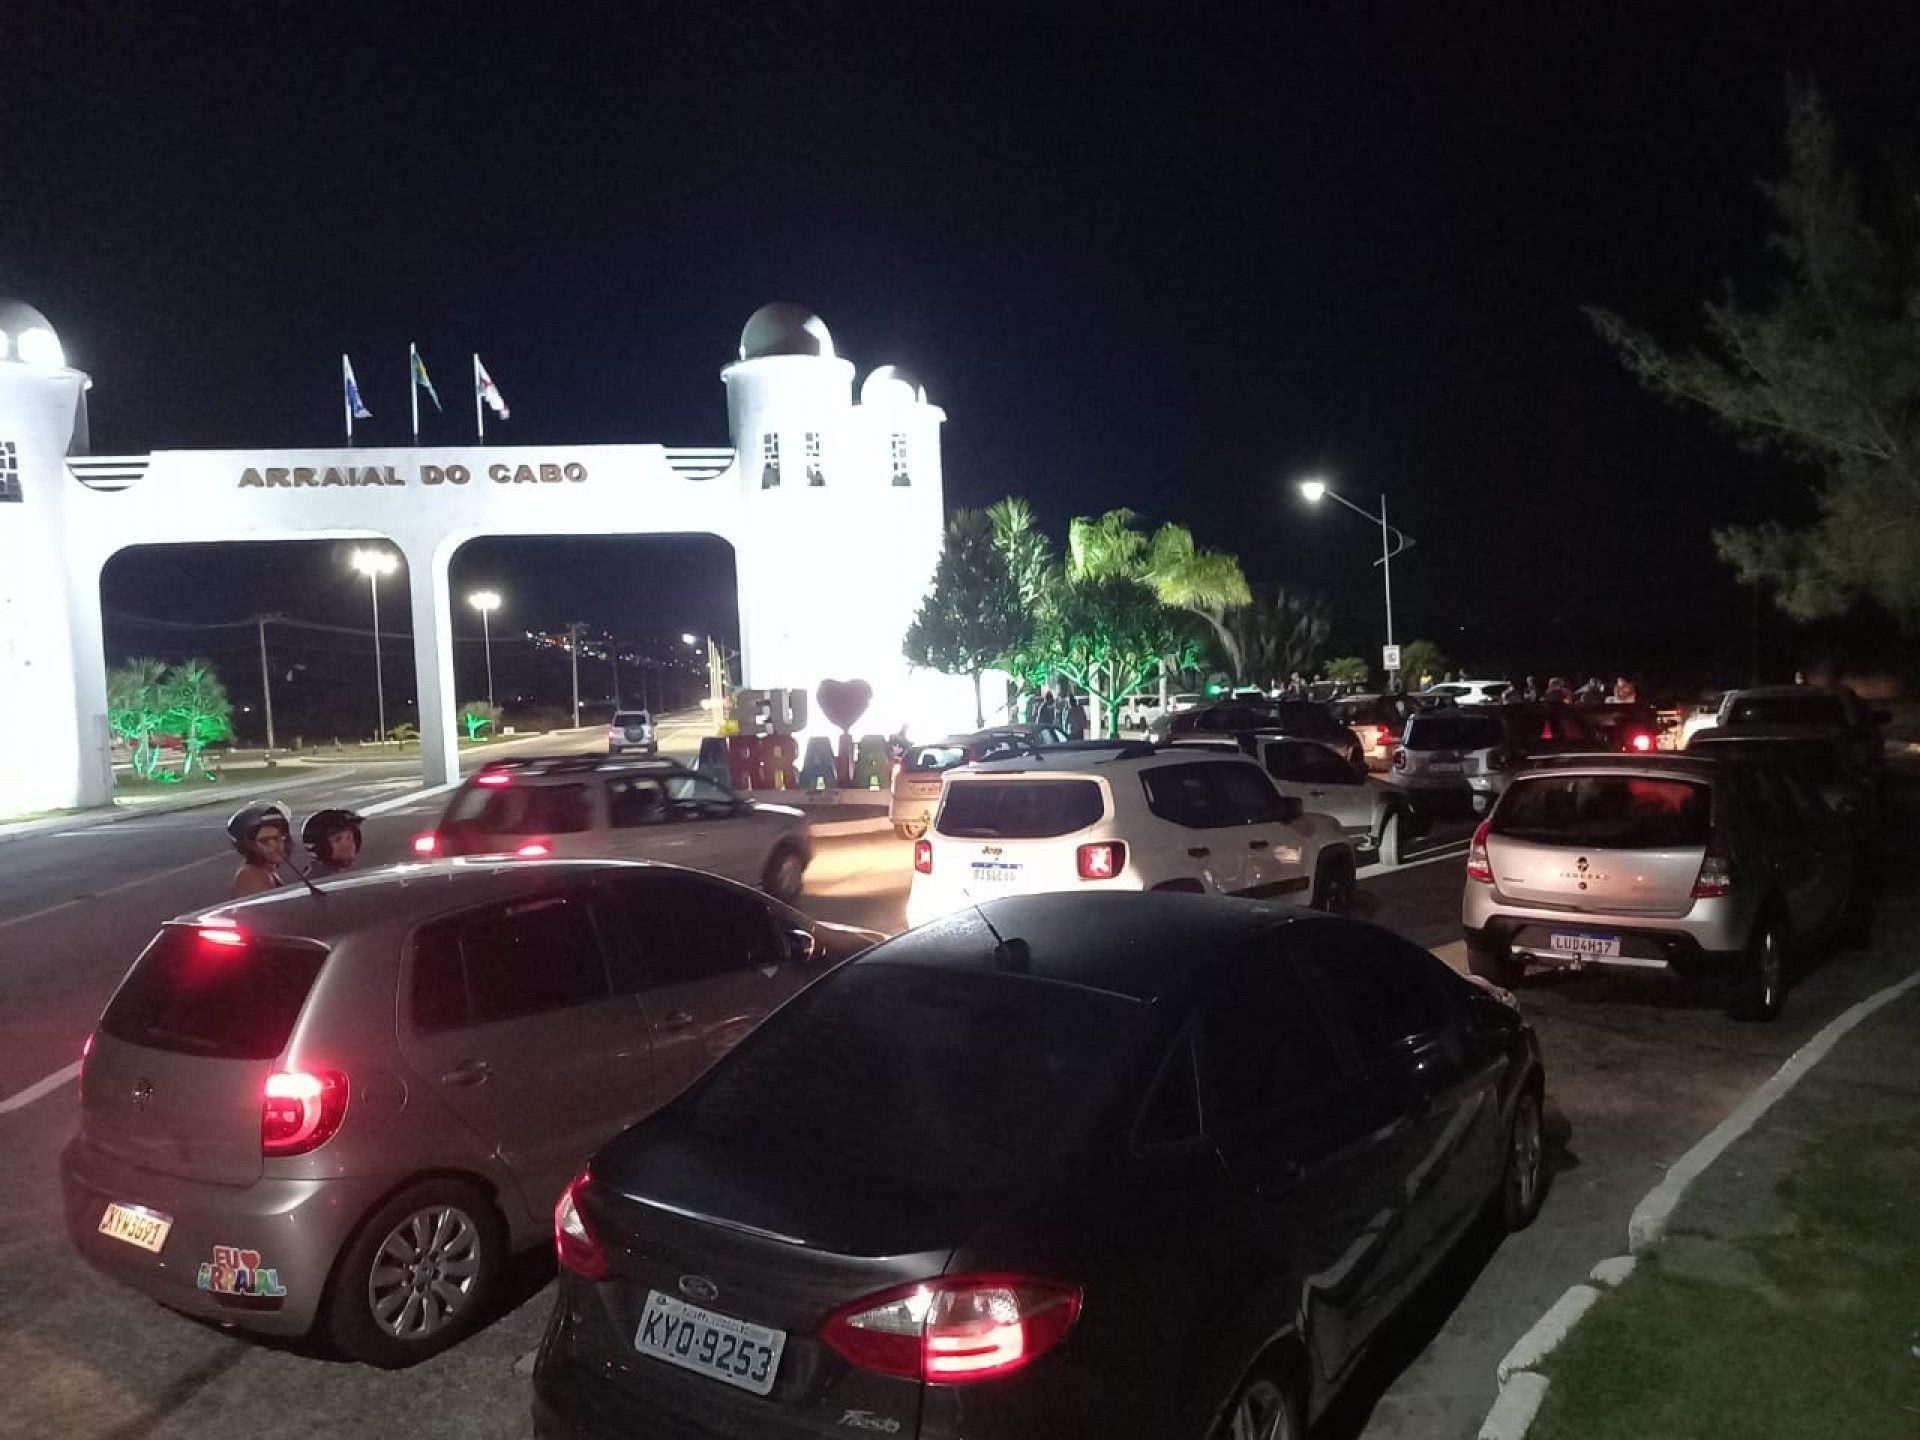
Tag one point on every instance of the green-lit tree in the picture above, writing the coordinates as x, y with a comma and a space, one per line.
1348, 670
134, 708
1826, 372
478, 715
1110, 635
1421, 663
196, 709
972, 617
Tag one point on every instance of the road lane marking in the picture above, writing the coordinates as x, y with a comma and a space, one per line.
400, 802
103, 894
40, 1088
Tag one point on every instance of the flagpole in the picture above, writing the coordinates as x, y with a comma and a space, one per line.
479, 410
346, 399
413, 388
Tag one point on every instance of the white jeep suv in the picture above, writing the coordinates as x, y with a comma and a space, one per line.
1124, 818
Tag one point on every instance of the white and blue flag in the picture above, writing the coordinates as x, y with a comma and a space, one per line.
356, 407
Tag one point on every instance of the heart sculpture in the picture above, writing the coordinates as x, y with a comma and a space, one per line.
844, 701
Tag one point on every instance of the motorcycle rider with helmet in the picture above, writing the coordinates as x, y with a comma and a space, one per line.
262, 834
332, 837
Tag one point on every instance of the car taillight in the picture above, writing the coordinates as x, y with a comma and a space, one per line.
1382, 736
300, 1110
1641, 741
493, 777
1477, 866
1101, 861
1716, 870
923, 856
955, 1329
221, 934
535, 850
574, 1244
427, 842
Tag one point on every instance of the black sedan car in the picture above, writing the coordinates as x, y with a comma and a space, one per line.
1064, 1165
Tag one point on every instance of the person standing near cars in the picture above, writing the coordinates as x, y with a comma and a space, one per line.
262, 834
1076, 718
1045, 713
332, 837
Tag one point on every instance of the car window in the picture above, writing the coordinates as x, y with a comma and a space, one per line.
1263, 1045
937, 757
1018, 809
630, 717
676, 929
688, 791
1243, 795
1787, 710
1003, 747
1310, 764
522, 808
1380, 988
197, 996
635, 800
1450, 730
1607, 812
1181, 795
503, 961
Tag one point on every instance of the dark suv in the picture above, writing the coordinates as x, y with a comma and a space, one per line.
1296, 719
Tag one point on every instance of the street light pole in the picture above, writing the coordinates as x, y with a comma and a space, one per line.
486, 602
266, 678
573, 654
373, 564
1393, 541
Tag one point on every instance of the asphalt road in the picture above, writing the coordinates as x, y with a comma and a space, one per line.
1637, 1072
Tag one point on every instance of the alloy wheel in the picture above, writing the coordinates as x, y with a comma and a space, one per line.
1259, 1414
1524, 1161
424, 1272
1772, 974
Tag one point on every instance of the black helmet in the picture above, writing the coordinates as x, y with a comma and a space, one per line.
323, 825
248, 822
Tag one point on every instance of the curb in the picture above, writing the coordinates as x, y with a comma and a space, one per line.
1523, 1388
115, 814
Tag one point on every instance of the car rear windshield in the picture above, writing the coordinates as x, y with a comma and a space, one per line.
1453, 732
1606, 812
1019, 809
1788, 710
1811, 759
630, 717
958, 1080
199, 996
523, 807
937, 757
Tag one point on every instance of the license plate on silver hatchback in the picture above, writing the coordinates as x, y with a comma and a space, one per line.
1593, 947
717, 1346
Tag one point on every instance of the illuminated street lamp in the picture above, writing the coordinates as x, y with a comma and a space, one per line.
486, 602
716, 686
1393, 541
373, 564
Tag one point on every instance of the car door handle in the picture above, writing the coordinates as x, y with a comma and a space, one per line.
1258, 844
1198, 852
678, 1020
467, 1072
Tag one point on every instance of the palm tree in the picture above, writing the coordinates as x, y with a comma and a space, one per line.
133, 707
1276, 635
1109, 546
197, 702
1206, 583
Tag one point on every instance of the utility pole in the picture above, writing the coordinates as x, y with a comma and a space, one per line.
266, 675
574, 627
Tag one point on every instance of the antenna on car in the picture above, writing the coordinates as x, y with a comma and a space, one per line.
1014, 956
307, 880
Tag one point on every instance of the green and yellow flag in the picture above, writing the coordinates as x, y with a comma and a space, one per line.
420, 378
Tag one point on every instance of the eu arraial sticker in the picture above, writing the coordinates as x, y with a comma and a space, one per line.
239, 1272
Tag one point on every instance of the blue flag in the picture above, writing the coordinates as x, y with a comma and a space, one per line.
356, 407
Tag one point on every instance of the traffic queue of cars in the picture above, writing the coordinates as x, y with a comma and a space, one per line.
972, 1180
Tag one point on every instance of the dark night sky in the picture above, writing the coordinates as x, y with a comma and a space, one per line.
1167, 257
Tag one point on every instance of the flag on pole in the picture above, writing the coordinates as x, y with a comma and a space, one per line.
420, 378
356, 407
485, 388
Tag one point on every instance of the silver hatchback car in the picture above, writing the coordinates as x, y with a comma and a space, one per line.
1682, 863
345, 1109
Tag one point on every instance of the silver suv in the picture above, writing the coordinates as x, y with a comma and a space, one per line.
630, 730
1688, 864
350, 1107
1471, 751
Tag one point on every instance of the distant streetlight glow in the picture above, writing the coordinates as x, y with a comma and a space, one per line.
687, 638
373, 564
1314, 490
486, 602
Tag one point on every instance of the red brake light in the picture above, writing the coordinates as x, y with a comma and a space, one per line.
494, 777
217, 933
575, 1245
427, 842
1642, 741
1101, 861
535, 850
1716, 872
300, 1110
923, 856
1382, 736
954, 1329
1477, 866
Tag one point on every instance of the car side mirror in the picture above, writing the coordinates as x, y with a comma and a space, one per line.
803, 947
1291, 807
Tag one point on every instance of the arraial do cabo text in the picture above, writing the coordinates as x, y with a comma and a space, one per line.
301, 477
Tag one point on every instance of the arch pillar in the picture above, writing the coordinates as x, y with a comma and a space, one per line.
430, 595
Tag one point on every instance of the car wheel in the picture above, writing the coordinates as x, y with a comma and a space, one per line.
1523, 1179
1262, 1410
786, 874
419, 1274
1760, 989
1388, 849
1495, 963
1333, 886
